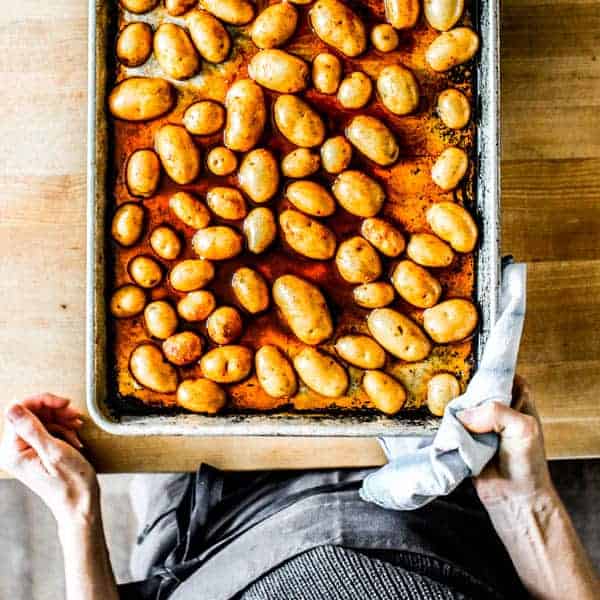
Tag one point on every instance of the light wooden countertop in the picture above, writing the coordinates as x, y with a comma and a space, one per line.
551, 219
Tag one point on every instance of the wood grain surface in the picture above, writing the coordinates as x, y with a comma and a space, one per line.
551, 219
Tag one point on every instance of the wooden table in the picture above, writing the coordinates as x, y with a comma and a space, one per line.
551, 219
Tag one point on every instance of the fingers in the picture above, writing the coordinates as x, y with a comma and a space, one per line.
54, 409
68, 435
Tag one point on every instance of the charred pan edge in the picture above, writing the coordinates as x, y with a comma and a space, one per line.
487, 84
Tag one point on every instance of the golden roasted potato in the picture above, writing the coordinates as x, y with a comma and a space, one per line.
441, 389
141, 98
454, 109
361, 351
275, 373
307, 236
189, 210
355, 90
224, 325
321, 372
400, 336
165, 242
338, 26
371, 137
150, 369
336, 154
259, 175
384, 37
183, 348
209, 36
160, 319
250, 289
454, 225
246, 115
127, 224
452, 48
304, 308
201, 396
221, 161
217, 243
260, 229
175, 52
176, 8
145, 271
402, 14
326, 73
227, 364
373, 295
196, 306
204, 118
127, 301
357, 261
415, 284
234, 12
279, 71
227, 203
300, 162
358, 193
298, 122
449, 168
311, 198
429, 251
191, 274
450, 321
386, 393
275, 25
443, 14
143, 173
134, 44
384, 236
178, 154
398, 89
139, 6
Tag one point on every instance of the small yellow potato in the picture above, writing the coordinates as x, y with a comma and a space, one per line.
387, 394
307, 236
191, 274
160, 319
227, 203
452, 48
217, 243
224, 325
201, 396
246, 115
279, 71
275, 373
189, 210
402, 14
384, 236
150, 369
250, 289
454, 225
361, 351
338, 26
221, 161
454, 109
371, 137
300, 162
298, 121
357, 261
355, 90
450, 321
336, 154
196, 306
441, 389
145, 271
321, 372
384, 37
209, 36
183, 348
234, 12
304, 308
311, 198
398, 89
165, 242
373, 295
326, 73
139, 6
399, 335
227, 364
176, 8
449, 168
259, 175
143, 173
175, 52
358, 193
141, 98
415, 284
134, 45
127, 301
204, 118
275, 25
429, 251
127, 224
260, 229
178, 154
443, 14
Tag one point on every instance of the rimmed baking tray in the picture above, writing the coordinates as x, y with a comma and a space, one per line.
487, 209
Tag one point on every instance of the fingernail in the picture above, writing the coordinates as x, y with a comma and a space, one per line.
15, 412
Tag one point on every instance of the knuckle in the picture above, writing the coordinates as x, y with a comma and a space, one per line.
530, 427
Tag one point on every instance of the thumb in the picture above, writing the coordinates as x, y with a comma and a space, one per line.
497, 417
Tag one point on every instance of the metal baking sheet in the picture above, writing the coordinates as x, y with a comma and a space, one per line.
487, 182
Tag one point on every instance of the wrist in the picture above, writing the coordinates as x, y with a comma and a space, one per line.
81, 517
